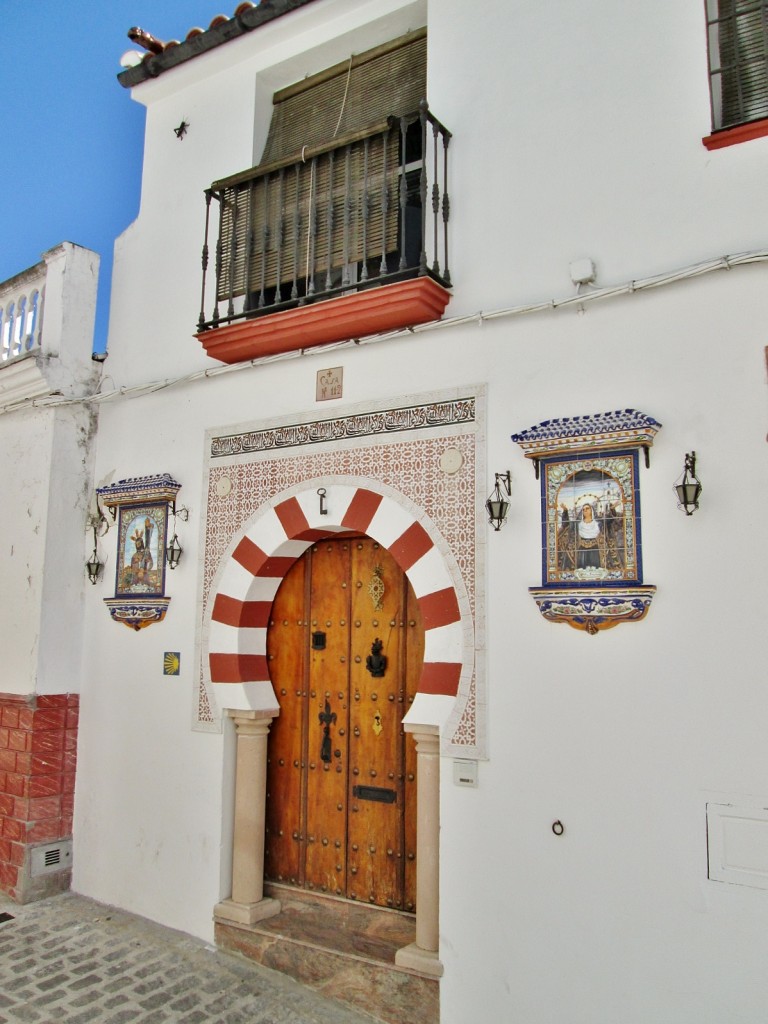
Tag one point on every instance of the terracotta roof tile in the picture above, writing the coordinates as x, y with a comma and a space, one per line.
162, 56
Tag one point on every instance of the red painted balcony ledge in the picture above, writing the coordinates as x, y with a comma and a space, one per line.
373, 311
733, 136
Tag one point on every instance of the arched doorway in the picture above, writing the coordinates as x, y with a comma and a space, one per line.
235, 642
345, 646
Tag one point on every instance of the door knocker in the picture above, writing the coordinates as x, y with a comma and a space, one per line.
376, 662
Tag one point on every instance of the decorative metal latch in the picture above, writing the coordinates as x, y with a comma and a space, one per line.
376, 662
327, 719
376, 588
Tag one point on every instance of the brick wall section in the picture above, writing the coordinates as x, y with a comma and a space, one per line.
38, 758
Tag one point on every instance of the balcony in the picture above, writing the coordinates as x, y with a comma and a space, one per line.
39, 360
349, 241
21, 313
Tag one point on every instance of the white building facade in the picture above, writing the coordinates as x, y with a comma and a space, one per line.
584, 765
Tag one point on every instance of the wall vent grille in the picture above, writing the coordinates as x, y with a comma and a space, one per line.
50, 858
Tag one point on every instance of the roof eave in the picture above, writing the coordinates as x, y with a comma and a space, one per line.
239, 25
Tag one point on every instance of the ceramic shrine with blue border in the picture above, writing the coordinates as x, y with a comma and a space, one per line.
591, 541
141, 506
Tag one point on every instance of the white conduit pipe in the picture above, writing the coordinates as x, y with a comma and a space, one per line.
688, 273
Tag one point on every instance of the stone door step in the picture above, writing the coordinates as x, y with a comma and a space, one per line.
343, 949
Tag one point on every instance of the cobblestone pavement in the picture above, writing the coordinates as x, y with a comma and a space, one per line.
70, 960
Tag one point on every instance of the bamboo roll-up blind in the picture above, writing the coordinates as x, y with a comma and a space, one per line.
309, 219
349, 97
326, 192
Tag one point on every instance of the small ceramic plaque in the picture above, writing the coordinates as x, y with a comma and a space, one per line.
330, 384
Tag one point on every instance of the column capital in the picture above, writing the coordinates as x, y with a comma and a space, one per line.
427, 738
252, 723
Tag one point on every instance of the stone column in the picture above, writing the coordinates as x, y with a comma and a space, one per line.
422, 955
247, 904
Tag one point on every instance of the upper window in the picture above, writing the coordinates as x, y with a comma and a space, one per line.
340, 199
737, 39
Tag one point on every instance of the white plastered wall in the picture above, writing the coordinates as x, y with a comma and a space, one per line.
46, 461
25, 458
576, 133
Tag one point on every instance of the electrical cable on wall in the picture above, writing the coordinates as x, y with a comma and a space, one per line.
688, 273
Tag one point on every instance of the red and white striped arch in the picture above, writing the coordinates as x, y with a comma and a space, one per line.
241, 603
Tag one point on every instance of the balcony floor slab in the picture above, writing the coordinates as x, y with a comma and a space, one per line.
372, 311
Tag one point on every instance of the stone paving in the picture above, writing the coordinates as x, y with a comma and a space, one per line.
70, 960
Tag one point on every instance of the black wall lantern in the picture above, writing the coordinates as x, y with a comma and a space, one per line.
93, 565
688, 487
497, 505
174, 551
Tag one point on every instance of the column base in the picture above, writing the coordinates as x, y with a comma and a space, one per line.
246, 913
417, 959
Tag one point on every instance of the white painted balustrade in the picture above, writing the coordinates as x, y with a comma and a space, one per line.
21, 312
52, 359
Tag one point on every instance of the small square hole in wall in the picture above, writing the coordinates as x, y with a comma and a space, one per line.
171, 663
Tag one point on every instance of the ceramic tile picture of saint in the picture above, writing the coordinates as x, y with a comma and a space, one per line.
590, 515
142, 546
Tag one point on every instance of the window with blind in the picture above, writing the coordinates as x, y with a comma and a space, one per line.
337, 198
737, 37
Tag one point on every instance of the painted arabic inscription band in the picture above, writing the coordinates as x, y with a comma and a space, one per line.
437, 414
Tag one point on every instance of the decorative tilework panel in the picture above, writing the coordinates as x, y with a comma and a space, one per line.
408, 464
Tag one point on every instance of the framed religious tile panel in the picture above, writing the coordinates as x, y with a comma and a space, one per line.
141, 506
588, 466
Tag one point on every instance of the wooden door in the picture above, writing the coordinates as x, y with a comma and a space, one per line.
345, 645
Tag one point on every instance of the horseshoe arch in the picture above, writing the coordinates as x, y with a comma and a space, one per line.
248, 580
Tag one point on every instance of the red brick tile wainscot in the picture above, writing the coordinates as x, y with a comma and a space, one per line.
38, 758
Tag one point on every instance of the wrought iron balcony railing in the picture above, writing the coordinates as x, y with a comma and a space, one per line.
343, 217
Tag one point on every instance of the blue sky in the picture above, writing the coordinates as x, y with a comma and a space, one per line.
71, 151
